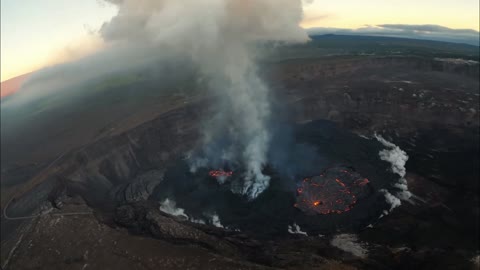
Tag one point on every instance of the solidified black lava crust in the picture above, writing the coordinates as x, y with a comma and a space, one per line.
274, 210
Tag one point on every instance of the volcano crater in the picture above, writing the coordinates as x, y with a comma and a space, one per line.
341, 192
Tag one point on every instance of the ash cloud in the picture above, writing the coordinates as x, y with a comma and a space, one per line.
220, 37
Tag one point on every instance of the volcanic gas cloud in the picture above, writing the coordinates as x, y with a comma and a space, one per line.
220, 37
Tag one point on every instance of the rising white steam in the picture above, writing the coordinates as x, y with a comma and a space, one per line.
394, 155
476, 262
393, 201
295, 229
349, 243
169, 207
215, 220
398, 159
198, 221
220, 37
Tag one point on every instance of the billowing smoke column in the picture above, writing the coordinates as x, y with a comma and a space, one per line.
220, 37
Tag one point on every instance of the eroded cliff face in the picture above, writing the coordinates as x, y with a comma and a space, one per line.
107, 168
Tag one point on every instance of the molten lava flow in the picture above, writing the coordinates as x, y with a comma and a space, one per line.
332, 192
362, 182
220, 173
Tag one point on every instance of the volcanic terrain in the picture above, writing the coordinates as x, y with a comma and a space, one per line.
89, 186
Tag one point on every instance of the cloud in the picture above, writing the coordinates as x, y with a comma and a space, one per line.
427, 28
425, 31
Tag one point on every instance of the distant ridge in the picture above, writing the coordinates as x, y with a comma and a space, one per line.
12, 85
418, 32
388, 38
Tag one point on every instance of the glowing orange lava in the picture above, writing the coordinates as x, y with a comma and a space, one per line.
362, 182
220, 173
332, 192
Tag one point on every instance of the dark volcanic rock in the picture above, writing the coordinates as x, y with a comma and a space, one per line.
401, 97
146, 218
139, 189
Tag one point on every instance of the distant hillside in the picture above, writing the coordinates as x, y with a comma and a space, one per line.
331, 45
9, 87
408, 31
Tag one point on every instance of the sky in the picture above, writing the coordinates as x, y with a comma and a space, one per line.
461, 14
37, 34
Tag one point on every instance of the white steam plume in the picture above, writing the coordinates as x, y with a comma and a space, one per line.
349, 243
169, 206
220, 37
391, 199
394, 155
295, 229
215, 219
398, 159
